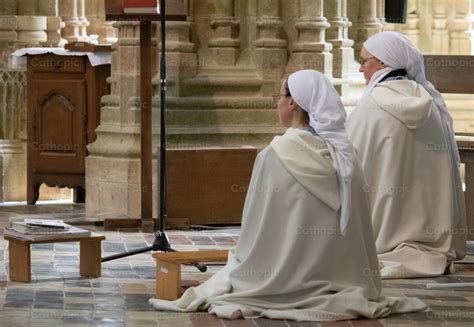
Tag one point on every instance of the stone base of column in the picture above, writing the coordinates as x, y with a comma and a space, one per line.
113, 187
271, 63
225, 56
342, 58
14, 169
460, 43
13, 177
321, 62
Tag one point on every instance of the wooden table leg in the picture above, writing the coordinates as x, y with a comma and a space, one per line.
90, 263
20, 262
168, 280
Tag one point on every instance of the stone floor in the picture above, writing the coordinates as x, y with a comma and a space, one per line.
57, 296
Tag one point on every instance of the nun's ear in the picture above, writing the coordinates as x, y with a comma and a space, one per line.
292, 103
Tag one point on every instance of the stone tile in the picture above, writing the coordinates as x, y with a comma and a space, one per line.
206, 320
240, 323
366, 323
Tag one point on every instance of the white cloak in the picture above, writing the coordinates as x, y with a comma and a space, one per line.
291, 261
418, 211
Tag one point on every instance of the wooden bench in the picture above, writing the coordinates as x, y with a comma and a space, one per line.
168, 269
20, 255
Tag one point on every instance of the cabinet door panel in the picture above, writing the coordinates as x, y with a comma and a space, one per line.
59, 113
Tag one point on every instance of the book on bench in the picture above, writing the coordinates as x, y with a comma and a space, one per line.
70, 232
32, 226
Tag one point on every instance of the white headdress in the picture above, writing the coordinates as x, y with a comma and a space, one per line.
314, 93
397, 52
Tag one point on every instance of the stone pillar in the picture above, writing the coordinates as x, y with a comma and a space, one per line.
225, 41
68, 10
1, 179
270, 47
472, 31
27, 7
368, 24
412, 27
31, 30
181, 58
8, 35
84, 23
48, 8
311, 51
461, 29
440, 33
337, 35
381, 11
8, 8
95, 12
113, 163
53, 31
13, 134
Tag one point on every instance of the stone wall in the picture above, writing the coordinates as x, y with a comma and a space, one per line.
224, 64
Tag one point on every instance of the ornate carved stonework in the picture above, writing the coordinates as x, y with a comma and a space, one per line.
224, 63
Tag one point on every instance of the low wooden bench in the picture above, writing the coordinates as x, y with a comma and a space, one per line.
168, 269
20, 255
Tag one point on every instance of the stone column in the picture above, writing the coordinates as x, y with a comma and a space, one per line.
440, 33
95, 12
48, 7
31, 30
412, 27
225, 41
368, 24
181, 58
68, 10
84, 23
8, 35
381, 11
337, 35
27, 7
461, 29
311, 51
113, 163
53, 31
9, 8
13, 134
270, 47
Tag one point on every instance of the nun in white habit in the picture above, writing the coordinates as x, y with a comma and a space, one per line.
306, 251
404, 137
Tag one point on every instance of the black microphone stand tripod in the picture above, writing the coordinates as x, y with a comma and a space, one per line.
161, 241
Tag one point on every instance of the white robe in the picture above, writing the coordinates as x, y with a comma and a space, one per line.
418, 212
291, 261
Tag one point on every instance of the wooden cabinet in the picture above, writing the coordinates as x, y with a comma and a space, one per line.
63, 111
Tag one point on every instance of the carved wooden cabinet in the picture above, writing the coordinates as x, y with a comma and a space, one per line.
63, 111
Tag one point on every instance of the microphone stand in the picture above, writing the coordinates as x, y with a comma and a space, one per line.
161, 241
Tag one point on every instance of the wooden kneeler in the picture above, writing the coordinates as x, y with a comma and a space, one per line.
168, 269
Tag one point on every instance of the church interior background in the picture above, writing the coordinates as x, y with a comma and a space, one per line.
224, 63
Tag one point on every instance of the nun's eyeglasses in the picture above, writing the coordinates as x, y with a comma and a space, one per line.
277, 96
362, 61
